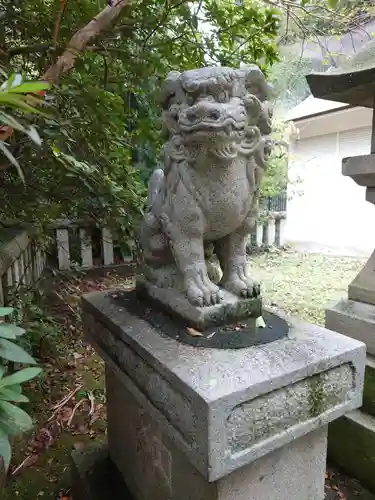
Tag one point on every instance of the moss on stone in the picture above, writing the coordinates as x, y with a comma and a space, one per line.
316, 397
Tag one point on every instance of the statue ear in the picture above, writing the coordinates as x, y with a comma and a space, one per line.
172, 89
255, 82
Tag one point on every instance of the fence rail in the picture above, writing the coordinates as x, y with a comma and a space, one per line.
276, 203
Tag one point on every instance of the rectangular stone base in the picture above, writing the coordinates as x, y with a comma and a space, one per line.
351, 445
354, 319
153, 467
351, 439
231, 309
357, 320
95, 477
221, 424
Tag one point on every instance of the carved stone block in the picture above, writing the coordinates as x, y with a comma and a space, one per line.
221, 409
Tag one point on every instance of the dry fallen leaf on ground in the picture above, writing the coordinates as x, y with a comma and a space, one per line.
193, 332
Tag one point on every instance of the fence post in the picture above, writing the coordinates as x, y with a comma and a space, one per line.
86, 248
63, 252
259, 235
282, 240
271, 232
107, 242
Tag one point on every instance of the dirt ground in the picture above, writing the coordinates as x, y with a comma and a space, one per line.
68, 402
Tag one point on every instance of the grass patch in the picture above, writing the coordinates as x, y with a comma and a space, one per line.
304, 285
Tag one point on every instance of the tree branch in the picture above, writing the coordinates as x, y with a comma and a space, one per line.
28, 49
56, 29
78, 43
80, 40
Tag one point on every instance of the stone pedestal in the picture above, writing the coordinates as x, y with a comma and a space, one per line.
355, 317
207, 424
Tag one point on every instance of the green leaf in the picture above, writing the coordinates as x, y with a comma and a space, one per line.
13, 352
14, 79
6, 311
34, 136
6, 426
7, 394
11, 121
9, 331
20, 376
2, 370
15, 417
333, 3
12, 159
17, 101
5, 449
29, 87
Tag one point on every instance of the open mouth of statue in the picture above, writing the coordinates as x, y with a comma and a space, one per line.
228, 128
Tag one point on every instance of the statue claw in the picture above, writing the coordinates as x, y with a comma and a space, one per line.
203, 293
239, 283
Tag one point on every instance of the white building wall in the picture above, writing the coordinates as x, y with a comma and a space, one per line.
326, 209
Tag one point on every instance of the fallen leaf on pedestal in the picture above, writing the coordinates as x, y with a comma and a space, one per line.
193, 332
259, 323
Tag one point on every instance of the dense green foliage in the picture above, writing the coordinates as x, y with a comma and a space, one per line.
13, 419
101, 137
14, 100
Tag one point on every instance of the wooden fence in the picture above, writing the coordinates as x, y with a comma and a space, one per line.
270, 232
86, 247
76, 246
22, 261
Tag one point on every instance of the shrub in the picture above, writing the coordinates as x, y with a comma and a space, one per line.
13, 419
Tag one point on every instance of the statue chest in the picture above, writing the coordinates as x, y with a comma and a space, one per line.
225, 201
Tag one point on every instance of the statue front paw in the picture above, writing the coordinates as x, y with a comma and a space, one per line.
201, 291
239, 283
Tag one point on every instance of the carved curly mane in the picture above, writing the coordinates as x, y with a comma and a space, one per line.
181, 91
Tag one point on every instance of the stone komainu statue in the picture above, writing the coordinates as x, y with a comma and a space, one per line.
217, 123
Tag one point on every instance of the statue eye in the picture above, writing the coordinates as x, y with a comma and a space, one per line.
214, 114
192, 116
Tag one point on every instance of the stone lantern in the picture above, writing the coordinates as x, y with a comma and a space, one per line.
351, 441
